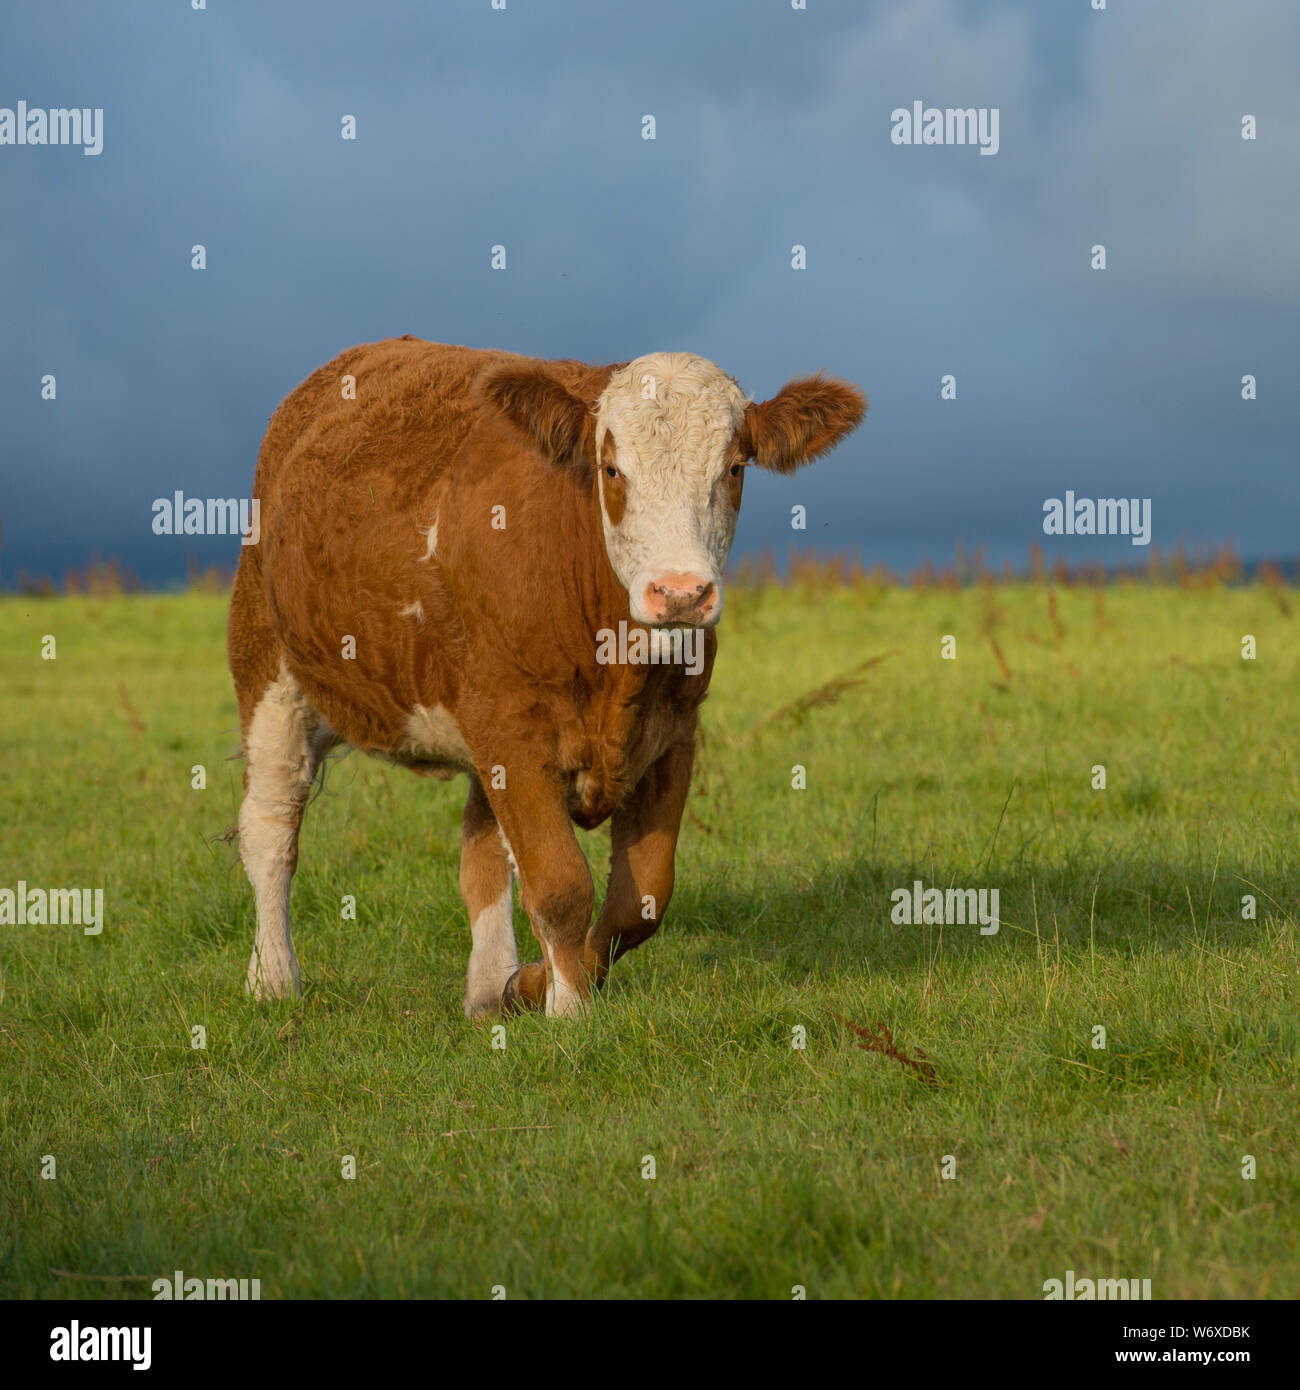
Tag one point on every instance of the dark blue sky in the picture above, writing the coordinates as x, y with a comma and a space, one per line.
523, 127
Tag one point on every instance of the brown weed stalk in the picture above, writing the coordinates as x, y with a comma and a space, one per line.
878, 1038
826, 694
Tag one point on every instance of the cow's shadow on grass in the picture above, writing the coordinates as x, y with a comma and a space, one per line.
841, 915
835, 918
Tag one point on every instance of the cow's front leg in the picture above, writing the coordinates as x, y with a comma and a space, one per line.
644, 841
554, 887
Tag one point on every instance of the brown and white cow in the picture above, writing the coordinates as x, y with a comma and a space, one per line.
448, 538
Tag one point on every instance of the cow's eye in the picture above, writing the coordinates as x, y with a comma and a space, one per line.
611, 470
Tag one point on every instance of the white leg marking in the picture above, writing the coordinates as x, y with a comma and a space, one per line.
562, 998
494, 957
283, 749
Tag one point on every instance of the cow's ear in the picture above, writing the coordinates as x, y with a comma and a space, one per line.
542, 409
803, 421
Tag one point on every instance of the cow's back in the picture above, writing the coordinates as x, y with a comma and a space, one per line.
410, 398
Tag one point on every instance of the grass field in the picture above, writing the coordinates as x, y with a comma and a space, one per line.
775, 1166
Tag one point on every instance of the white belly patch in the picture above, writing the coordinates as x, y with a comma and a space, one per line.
432, 736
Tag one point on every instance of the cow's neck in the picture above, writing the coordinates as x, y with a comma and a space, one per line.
618, 689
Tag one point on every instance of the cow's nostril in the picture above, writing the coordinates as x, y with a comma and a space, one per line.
679, 596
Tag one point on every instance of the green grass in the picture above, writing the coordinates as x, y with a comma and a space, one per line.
775, 1166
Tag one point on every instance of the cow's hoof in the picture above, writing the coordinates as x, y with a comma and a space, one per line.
511, 1000
272, 979
564, 1001
525, 989
481, 1008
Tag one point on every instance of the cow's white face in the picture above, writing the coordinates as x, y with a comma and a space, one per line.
669, 437
670, 474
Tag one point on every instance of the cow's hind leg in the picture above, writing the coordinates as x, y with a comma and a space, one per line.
284, 742
487, 885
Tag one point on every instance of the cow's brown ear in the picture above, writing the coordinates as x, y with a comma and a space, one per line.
803, 421
541, 408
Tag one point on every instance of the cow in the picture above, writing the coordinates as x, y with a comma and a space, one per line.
448, 538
